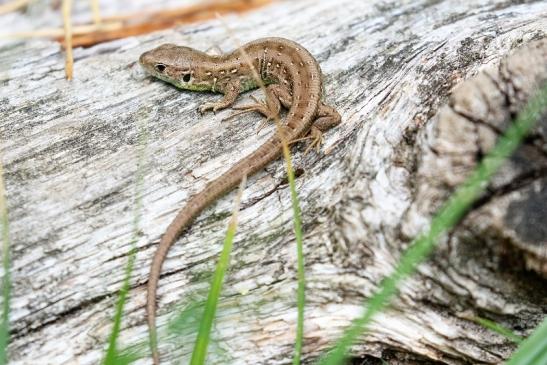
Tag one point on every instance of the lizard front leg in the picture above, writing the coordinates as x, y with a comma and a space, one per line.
232, 90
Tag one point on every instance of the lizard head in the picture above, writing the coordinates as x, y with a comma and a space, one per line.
177, 65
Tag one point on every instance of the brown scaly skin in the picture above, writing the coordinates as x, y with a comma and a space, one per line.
294, 81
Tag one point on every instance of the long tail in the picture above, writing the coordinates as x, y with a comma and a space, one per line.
183, 219
269, 151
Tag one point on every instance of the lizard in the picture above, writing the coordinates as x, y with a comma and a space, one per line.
291, 78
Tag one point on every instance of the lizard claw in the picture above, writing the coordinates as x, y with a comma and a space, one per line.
204, 107
316, 140
209, 106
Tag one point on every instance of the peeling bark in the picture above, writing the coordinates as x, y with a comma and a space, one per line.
510, 213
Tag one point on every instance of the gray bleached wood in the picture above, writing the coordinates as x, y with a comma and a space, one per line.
69, 151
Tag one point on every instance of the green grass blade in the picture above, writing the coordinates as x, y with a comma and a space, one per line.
6, 280
533, 350
301, 290
452, 211
301, 294
202, 342
179, 327
495, 327
112, 356
187, 319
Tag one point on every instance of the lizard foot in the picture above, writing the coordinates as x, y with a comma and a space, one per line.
315, 138
210, 106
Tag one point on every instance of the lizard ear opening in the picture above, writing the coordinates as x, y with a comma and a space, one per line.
186, 78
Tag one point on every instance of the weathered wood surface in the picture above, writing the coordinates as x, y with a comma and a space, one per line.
70, 151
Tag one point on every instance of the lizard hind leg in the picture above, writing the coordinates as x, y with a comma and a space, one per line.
327, 118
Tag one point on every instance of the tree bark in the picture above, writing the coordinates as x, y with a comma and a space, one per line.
413, 128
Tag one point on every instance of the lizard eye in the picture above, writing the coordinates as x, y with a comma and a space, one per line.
186, 78
160, 67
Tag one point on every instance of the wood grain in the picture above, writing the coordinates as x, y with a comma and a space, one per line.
69, 150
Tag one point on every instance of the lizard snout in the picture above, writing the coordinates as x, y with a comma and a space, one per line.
144, 58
